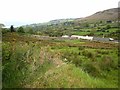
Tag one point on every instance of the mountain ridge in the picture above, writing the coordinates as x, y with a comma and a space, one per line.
109, 14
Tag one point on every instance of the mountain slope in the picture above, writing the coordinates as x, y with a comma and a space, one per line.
109, 14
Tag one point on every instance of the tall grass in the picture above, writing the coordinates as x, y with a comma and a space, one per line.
22, 62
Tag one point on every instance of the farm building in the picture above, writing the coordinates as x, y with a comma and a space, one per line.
82, 37
65, 36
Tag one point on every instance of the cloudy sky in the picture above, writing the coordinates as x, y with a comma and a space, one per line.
20, 12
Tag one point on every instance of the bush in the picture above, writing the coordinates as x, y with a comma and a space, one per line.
22, 62
73, 57
108, 27
81, 48
77, 61
90, 68
107, 63
4, 31
21, 30
102, 52
88, 54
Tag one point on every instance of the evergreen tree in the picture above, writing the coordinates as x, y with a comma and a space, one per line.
12, 28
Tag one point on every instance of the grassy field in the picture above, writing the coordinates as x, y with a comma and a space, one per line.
33, 63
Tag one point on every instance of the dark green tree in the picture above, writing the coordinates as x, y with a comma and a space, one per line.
12, 28
21, 30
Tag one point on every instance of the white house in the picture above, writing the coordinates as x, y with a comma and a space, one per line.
82, 37
75, 36
87, 37
65, 36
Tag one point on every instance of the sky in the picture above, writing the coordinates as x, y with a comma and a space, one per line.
22, 12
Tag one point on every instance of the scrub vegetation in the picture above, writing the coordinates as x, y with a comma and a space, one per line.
37, 56
35, 63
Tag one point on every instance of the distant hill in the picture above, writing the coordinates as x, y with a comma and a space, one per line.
57, 21
109, 14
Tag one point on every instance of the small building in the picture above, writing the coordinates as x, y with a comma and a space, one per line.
111, 39
74, 36
82, 37
65, 36
87, 37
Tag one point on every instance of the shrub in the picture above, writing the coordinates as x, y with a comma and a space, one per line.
81, 48
88, 54
77, 61
4, 31
107, 63
21, 30
108, 27
90, 69
98, 55
102, 52
22, 62
73, 57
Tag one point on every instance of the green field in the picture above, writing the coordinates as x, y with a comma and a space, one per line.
33, 63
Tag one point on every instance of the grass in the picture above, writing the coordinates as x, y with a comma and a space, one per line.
80, 33
71, 78
32, 63
75, 41
87, 31
112, 29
